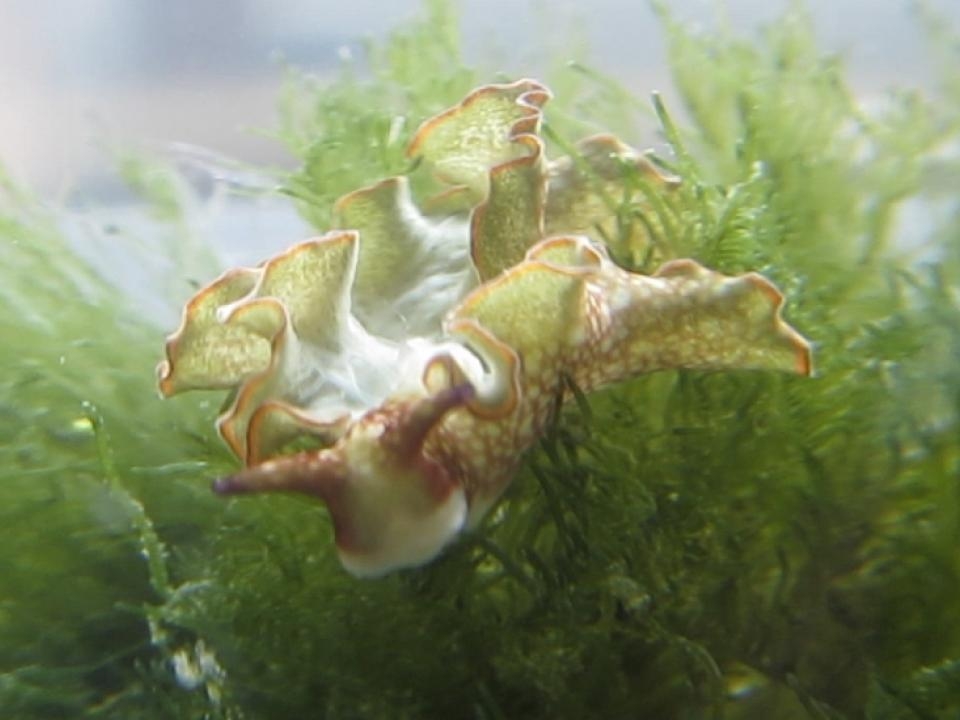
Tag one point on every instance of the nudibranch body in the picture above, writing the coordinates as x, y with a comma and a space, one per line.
426, 352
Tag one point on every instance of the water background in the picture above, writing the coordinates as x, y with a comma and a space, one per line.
74, 76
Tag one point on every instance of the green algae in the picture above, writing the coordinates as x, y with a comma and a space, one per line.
688, 545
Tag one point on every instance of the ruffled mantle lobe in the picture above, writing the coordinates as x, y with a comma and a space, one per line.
424, 348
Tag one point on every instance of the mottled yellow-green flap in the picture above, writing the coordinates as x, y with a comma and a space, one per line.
271, 382
686, 316
313, 281
204, 353
736, 322
302, 298
510, 221
388, 245
464, 142
244, 328
532, 307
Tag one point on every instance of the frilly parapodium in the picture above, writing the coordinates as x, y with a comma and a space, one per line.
423, 347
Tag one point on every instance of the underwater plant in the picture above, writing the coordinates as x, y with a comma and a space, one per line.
469, 326
684, 544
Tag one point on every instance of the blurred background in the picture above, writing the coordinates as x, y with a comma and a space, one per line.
75, 76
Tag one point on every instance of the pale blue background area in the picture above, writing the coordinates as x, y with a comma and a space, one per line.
206, 72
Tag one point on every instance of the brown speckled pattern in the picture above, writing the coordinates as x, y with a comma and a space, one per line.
628, 324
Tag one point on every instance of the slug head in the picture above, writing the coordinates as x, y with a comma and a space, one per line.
393, 504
